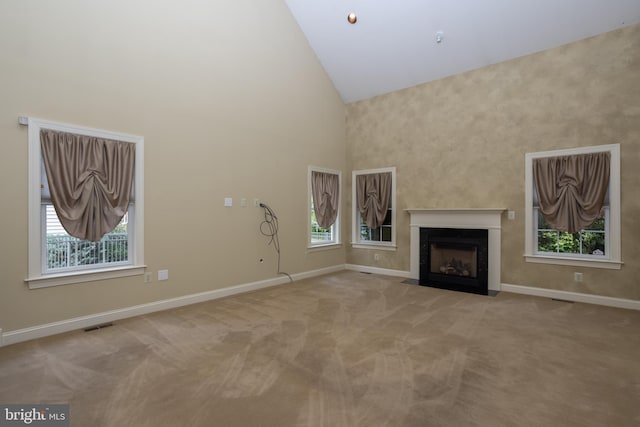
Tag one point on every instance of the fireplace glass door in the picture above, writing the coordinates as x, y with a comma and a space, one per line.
454, 260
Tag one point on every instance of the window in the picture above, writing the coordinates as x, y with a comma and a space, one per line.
330, 234
374, 208
55, 257
596, 244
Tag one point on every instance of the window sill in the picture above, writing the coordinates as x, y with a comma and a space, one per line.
323, 247
69, 278
577, 262
376, 246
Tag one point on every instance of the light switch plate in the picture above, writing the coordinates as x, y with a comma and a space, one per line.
163, 275
228, 202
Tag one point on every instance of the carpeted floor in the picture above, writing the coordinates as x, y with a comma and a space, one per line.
346, 349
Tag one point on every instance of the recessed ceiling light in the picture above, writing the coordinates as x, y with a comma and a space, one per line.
352, 18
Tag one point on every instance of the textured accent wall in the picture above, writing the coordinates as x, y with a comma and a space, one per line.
460, 142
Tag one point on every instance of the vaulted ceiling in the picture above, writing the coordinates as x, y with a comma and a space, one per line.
394, 44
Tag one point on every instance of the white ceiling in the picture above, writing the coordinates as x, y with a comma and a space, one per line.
393, 44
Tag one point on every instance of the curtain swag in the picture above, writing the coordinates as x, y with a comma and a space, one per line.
90, 181
571, 189
373, 192
326, 195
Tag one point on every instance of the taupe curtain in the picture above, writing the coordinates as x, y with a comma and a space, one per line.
89, 179
325, 190
571, 189
372, 193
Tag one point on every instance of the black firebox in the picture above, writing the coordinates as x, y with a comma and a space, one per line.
455, 259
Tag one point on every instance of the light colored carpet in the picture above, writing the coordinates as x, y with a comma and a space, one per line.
347, 349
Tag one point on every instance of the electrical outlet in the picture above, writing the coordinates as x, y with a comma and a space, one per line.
511, 215
577, 277
147, 277
376, 257
256, 203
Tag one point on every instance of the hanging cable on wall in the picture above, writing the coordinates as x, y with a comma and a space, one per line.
269, 228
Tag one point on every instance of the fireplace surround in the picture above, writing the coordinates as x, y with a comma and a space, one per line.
489, 219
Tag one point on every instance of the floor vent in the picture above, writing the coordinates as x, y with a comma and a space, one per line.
93, 328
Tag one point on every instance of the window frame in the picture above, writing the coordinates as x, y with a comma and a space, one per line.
38, 277
356, 241
335, 228
612, 258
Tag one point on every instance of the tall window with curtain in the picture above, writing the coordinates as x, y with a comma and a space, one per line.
571, 193
374, 207
85, 218
573, 206
87, 183
324, 203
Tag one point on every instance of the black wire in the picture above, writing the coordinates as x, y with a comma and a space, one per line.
271, 224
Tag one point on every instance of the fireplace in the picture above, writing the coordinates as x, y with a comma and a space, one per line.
455, 259
486, 219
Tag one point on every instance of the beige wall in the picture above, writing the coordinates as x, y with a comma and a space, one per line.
231, 102
460, 142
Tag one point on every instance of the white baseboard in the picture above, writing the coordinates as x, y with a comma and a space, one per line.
572, 296
376, 270
48, 329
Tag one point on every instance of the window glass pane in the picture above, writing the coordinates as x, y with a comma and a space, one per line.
387, 219
375, 234
386, 234
364, 231
542, 223
569, 243
65, 251
547, 241
593, 243
598, 224
319, 234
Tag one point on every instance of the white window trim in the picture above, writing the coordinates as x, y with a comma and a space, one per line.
337, 242
355, 229
37, 278
613, 259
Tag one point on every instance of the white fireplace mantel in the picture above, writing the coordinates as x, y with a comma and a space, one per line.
489, 219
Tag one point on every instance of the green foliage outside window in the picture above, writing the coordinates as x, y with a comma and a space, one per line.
589, 241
